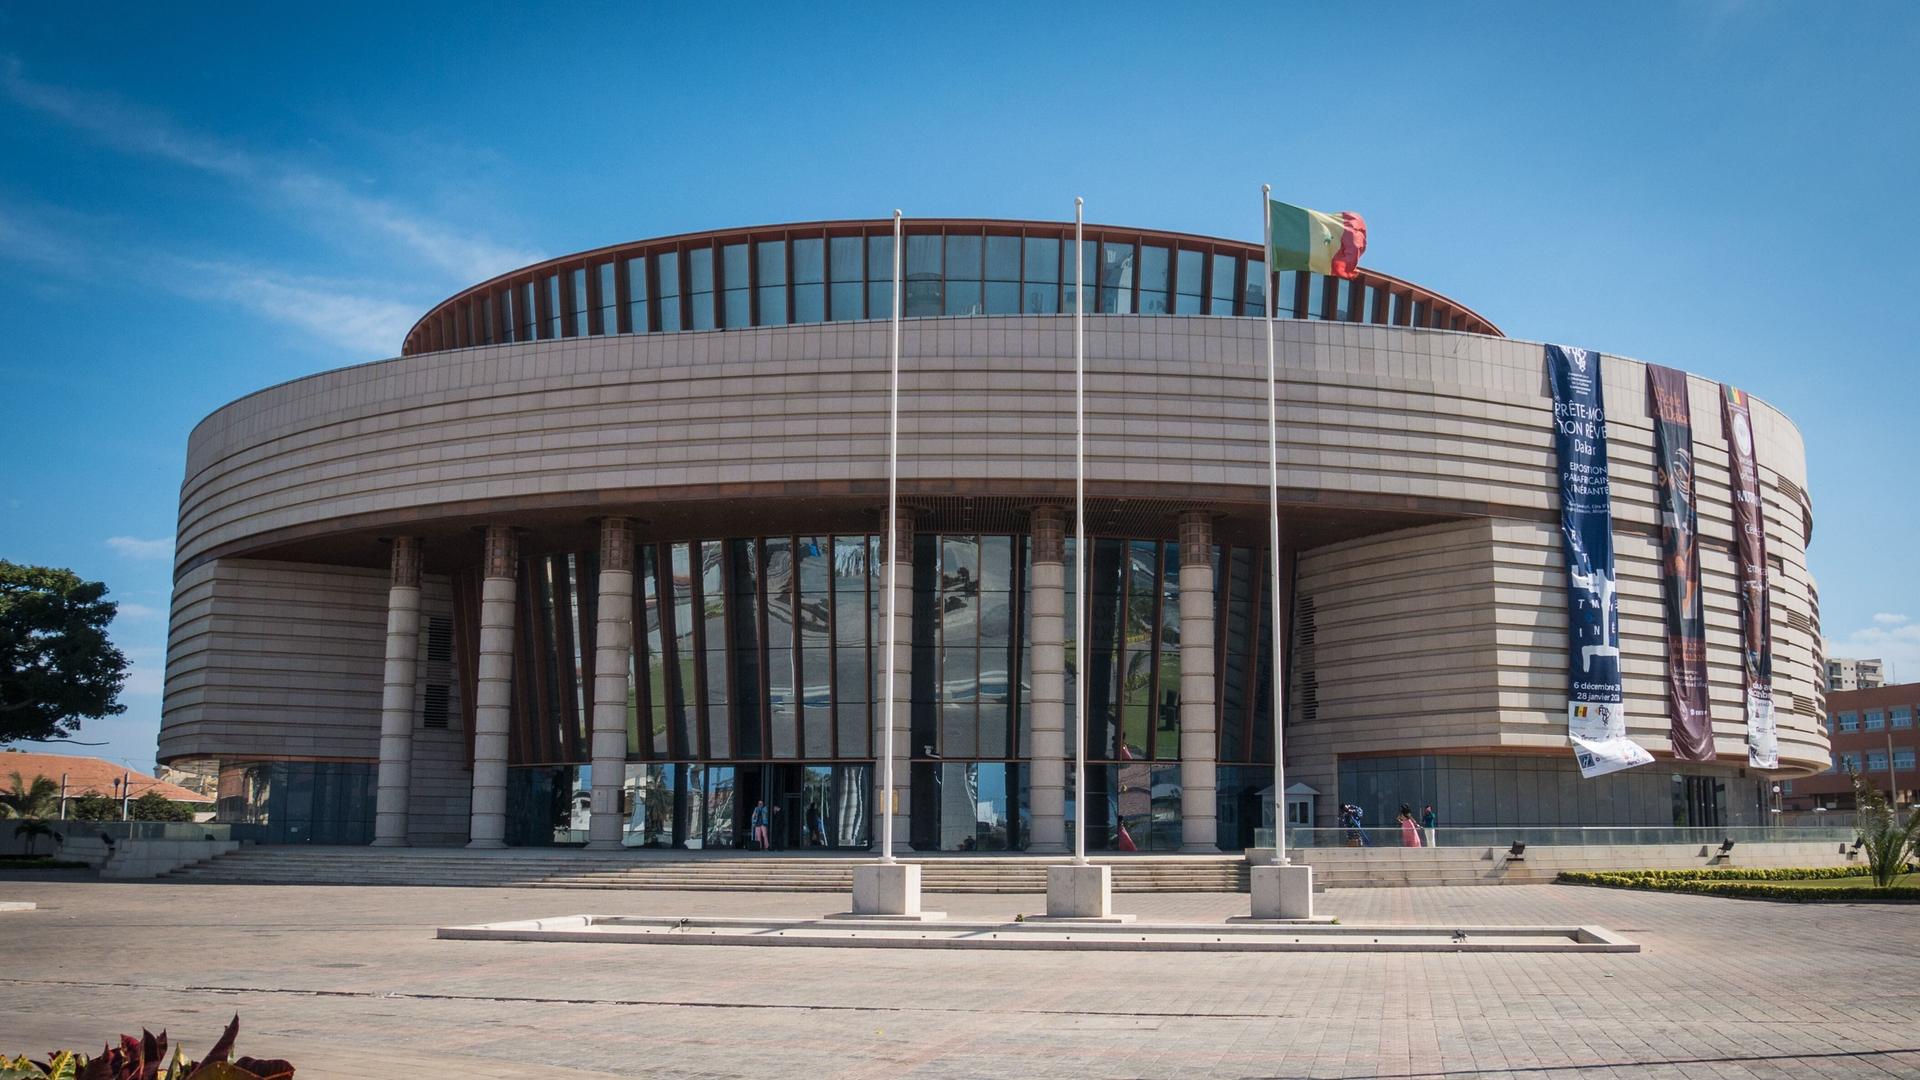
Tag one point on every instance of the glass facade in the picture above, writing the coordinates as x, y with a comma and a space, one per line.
807, 274
300, 802
754, 673
1485, 790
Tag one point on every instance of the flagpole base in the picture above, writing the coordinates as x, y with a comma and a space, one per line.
1080, 891
1282, 892
889, 889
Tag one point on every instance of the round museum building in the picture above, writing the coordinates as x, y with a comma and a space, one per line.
600, 557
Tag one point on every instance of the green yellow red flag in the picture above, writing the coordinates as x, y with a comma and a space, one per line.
1302, 239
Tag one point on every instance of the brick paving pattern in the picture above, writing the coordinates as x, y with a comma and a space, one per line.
350, 982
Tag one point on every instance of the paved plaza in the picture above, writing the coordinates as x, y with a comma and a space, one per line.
350, 982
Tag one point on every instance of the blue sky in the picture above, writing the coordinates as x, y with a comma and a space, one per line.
199, 200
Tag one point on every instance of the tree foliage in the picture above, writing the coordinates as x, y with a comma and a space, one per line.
93, 807
154, 806
57, 666
39, 799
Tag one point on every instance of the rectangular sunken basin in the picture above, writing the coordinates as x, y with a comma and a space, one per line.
1239, 936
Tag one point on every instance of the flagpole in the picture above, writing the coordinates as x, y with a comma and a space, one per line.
1273, 532
893, 560
1079, 536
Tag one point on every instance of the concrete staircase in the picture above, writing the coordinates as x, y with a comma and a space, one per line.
694, 872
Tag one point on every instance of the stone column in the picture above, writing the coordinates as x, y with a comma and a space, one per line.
613, 645
1199, 749
493, 696
396, 697
1047, 771
902, 688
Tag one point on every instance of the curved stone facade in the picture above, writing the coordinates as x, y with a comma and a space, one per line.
1417, 472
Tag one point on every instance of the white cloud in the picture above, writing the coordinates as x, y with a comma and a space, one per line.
1885, 619
326, 202
135, 548
339, 312
1897, 643
137, 611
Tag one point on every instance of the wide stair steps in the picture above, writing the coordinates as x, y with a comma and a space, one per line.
746, 873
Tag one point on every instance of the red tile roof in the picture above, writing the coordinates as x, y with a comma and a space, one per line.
88, 774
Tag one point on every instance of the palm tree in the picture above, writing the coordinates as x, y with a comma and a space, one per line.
32, 831
1889, 844
36, 800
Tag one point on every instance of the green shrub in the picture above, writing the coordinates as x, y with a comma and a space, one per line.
1747, 873
1750, 890
1887, 844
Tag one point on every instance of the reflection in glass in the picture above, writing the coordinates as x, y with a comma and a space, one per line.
879, 277
1155, 280
962, 275
770, 281
666, 269
1190, 276
609, 301
1225, 269
924, 292
809, 275
579, 282
738, 308
700, 289
1040, 266
1254, 301
1116, 278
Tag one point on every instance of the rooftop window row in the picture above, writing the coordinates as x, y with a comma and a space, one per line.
835, 274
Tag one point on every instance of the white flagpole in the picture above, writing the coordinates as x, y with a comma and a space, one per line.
1079, 537
1273, 533
893, 560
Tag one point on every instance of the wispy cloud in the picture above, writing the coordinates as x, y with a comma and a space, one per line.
133, 547
133, 129
360, 316
137, 611
329, 310
1892, 638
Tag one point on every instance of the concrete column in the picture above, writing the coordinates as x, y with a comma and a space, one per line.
493, 696
396, 697
1199, 748
1047, 771
613, 646
901, 690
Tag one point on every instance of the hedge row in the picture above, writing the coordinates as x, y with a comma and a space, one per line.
1748, 890
1749, 873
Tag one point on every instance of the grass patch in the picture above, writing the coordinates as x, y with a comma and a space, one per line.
1840, 884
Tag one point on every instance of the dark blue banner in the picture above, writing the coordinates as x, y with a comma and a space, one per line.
1596, 715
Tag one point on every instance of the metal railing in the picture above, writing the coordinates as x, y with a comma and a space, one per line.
1562, 836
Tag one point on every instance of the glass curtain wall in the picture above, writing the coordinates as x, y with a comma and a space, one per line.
845, 272
754, 673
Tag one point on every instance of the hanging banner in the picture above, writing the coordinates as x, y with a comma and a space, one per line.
1596, 714
1750, 558
1692, 728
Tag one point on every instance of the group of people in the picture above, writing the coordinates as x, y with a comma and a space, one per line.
1413, 832
762, 821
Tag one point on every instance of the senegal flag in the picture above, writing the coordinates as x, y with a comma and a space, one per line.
1304, 239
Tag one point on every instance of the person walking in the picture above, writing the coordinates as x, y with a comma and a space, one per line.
1350, 816
759, 821
1428, 822
1409, 832
816, 826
